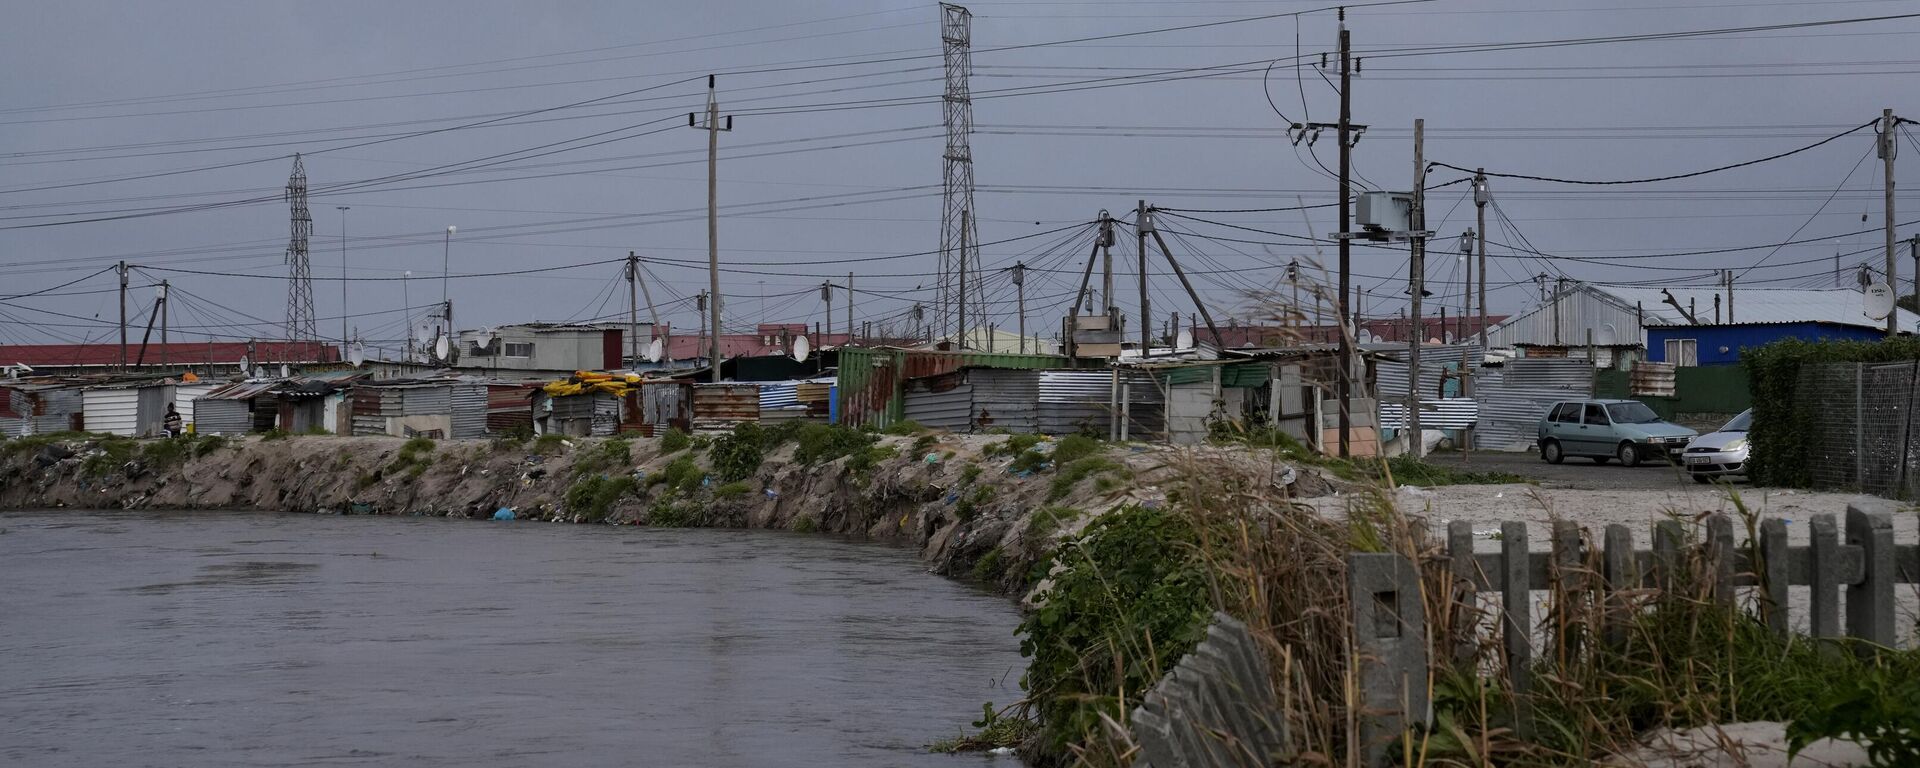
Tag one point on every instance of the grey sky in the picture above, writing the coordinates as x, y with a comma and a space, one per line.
1042, 161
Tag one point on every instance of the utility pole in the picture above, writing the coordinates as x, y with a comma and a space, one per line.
956, 196
1467, 240
1144, 225
826, 295
123, 315
700, 307
966, 221
653, 312
1729, 274
1346, 245
1913, 246
1887, 146
1020, 290
165, 358
849, 308
1417, 271
633, 308
1481, 196
713, 129
343, 283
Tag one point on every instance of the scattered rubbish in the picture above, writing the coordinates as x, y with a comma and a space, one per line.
1500, 495
952, 497
503, 513
933, 458
706, 480
772, 494
1000, 751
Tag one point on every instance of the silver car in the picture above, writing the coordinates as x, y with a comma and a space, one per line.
1721, 453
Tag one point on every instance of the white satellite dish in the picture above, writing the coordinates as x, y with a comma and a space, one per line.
357, 355
1184, 340
1607, 336
246, 364
484, 338
1366, 337
285, 372
441, 347
655, 351
801, 348
1878, 300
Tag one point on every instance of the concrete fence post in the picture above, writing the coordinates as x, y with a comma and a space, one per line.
1823, 615
1622, 574
1466, 580
1516, 625
1870, 600
1771, 568
1390, 644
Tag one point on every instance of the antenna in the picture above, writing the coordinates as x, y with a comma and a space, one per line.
299, 278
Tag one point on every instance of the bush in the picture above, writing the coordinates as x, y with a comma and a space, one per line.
167, 452
1072, 448
114, 453
682, 474
1014, 445
903, 428
675, 440
615, 454
737, 454
413, 459
668, 512
968, 506
990, 566
818, 443
1781, 421
205, 446
1046, 521
969, 473
922, 445
864, 461
1070, 475
275, 434
805, 525
1127, 600
1030, 460
549, 444
594, 497
732, 490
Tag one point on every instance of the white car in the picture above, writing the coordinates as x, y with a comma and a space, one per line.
1722, 453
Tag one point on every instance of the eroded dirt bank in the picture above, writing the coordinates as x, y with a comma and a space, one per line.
959, 499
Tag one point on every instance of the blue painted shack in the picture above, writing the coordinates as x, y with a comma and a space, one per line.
1691, 345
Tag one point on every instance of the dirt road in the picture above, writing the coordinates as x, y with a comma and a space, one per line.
1575, 473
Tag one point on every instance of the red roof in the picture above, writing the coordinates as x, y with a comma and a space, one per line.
176, 353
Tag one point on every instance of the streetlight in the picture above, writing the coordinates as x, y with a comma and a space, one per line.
343, 273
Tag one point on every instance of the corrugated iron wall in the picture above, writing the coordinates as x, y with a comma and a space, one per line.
871, 379
222, 417
113, 411
426, 401
1514, 397
469, 410
666, 405
1005, 399
606, 415
508, 406
940, 402
720, 406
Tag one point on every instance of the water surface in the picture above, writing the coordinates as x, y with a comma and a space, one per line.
218, 639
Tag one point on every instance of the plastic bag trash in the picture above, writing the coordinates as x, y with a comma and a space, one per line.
503, 513
706, 480
933, 458
952, 497
772, 494
1000, 751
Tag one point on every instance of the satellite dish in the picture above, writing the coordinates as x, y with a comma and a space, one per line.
1184, 340
441, 347
357, 355
1878, 300
655, 351
801, 348
245, 365
285, 372
1607, 336
1366, 337
484, 338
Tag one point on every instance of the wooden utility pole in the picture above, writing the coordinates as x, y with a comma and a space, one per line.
1144, 225
653, 312
965, 219
700, 307
713, 129
1020, 291
1729, 274
633, 308
826, 295
164, 300
1481, 196
849, 308
1416, 274
1346, 245
1887, 146
1913, 246
123, 315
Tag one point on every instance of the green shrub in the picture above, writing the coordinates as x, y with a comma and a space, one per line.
614, 454
1878, 707
549, 444
675, 440
167, 452
1782, 420
1070, 475
737, 454
114, 453
732, 490
1014, 445
1073, 448
968, 506
903, 428
819, 443
1030, 460
669, 512
413, 458
922, 445
518, 433
864, 461
1046, 521
315, 431
594, 497
805, 525
990, 566
275, 434
683, 474
1128, 599
205, 446
969, 473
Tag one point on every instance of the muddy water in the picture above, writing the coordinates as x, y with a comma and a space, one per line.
268, 639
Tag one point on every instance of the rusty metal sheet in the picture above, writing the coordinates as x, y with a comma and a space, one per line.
720, 406
1651, 380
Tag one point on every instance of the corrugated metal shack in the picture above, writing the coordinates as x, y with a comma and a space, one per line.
436, 409
507, 407
237, 408
872, 381
1054, 402
588, 414
38, 407
136, 409
1515, 395
184, 394
659, 406
717, 407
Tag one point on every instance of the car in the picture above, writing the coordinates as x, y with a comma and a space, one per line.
1720, 453
1605, 430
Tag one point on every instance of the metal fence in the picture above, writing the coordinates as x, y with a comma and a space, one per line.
1862, 435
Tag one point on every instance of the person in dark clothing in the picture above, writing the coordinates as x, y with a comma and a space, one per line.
172, 423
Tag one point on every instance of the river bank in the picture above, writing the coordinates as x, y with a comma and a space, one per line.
983, 507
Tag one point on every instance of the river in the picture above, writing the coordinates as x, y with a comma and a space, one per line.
251, 639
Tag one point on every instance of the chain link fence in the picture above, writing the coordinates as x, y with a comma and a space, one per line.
1863, 435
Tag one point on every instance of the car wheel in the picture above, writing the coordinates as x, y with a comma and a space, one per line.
1602, 459
1702, 479
1629, 455
1550, 450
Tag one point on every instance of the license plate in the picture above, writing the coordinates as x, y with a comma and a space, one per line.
1699, 459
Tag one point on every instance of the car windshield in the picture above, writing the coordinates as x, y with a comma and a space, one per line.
1740, 423
1631, 413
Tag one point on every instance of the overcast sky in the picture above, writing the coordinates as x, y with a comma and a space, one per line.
208, 101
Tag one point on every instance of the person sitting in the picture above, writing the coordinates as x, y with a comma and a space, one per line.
172, 423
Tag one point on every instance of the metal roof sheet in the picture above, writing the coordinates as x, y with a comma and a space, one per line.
1590, 305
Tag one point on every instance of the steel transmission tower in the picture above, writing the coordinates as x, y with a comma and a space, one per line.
959, 236
300, 280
